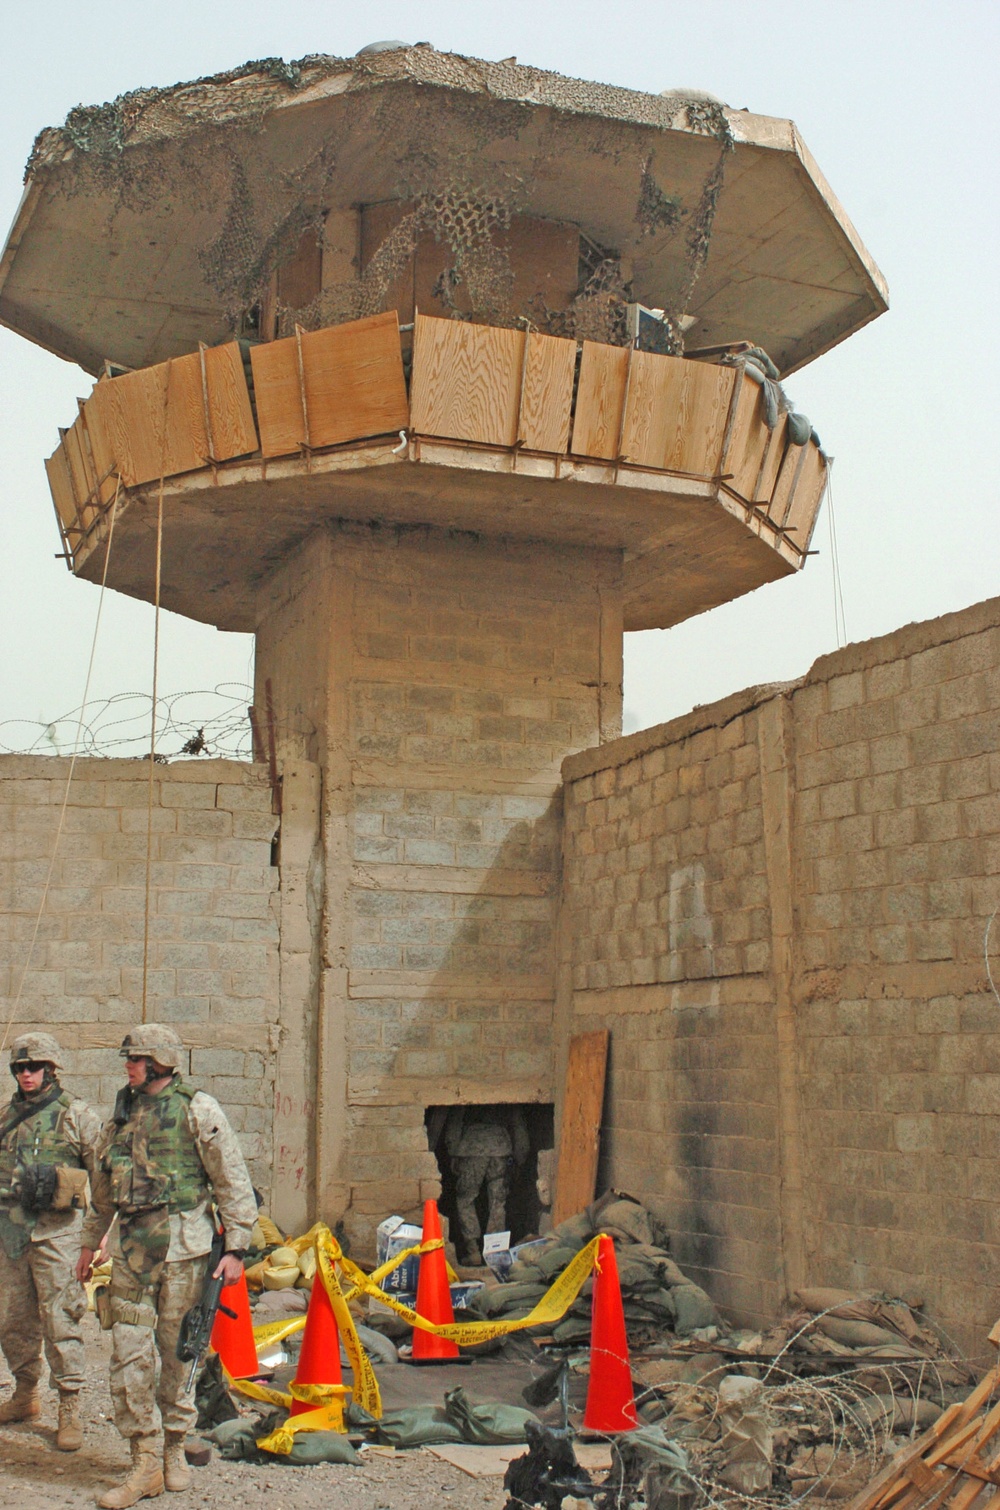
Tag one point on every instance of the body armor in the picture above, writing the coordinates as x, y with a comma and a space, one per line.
152, 1159
39, 1139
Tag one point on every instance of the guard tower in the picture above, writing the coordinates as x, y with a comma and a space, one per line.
437, 375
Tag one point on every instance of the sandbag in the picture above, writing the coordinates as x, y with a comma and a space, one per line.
614, 1212
316, 1447
487, 1425
417, 1426
694, 1309
857, 1333
554, 1260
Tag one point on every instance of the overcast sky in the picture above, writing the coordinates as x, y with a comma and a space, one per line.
895, 98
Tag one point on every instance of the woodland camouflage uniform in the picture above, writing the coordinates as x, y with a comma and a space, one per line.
163, 1158
42, 1303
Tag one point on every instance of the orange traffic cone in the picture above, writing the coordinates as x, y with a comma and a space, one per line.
610, 1401
233, 1339
319, 1360
433, 1295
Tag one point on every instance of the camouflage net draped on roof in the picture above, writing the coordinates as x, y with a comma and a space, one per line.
145, 149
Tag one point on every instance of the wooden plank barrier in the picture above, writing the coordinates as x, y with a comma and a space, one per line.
547, 394
175, 417
325, 387
600, 400
803, 506
580, 1132
676, 414
466, 381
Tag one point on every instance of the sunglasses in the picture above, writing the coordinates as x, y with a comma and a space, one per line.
29, 1066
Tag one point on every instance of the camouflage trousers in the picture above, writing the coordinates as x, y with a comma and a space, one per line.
42, 1303
469, 1177
147, 1378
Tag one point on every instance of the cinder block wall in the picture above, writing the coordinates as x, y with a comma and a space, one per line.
438, 679
778, 904
213, 924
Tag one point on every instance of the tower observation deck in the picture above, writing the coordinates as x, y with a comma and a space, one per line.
440, 374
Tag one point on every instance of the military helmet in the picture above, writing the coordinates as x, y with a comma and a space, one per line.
36, 1048
157, 1042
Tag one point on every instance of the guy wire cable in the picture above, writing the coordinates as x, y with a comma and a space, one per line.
69, 775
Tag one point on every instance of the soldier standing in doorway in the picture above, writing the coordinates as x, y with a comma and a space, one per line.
167, 1153
48, 1144
485, 1144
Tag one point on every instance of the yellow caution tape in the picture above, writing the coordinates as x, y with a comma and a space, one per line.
328, 1398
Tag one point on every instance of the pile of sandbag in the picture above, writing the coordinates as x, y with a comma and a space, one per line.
658, 1298
832, 1323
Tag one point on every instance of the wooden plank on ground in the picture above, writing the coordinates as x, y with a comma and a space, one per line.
600, 397
547, 394
676, 413
580, 1130
466, 381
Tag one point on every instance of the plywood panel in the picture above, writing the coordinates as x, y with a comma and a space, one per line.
580, 1130
466, 381
547, 394
61, 488
599, 400
676, 413
748, 439
774, 453
230, 413
354, 386
804, 505
278, 393
151, 423
153, 420
787, 484
80, 472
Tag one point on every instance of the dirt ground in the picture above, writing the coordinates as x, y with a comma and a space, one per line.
33, 1476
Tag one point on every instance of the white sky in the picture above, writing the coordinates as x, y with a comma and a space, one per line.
895, 98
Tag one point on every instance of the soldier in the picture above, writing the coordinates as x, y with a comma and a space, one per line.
47, 1149
484, 1144
166, 1153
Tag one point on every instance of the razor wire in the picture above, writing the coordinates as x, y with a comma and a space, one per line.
189, 725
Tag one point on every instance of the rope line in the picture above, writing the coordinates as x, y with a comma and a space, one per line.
152, 717
839, 617
69, 776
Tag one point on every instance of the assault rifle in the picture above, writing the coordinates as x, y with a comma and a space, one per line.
196, 1327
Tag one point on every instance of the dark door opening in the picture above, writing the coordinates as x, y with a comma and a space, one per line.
489, 1126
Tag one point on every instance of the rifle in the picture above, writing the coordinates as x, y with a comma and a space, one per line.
196, 1327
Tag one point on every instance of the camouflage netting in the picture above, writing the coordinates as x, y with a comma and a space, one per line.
145, 150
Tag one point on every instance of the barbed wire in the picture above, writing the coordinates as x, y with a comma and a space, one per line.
209, 722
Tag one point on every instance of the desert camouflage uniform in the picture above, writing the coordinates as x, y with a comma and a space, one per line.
159, 1165
41, 1300
484, 1143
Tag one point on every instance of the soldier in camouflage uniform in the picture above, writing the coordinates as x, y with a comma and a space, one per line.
165, 1155
485, 1144
48, 1146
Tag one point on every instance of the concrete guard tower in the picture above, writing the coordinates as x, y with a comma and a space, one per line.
440, 375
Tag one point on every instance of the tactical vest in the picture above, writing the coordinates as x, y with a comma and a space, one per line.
39, 1139
152, 1160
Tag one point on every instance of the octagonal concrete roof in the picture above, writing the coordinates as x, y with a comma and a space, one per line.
125, 205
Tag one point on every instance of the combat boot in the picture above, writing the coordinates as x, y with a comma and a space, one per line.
69, 1436
23, 1405
176, 1473
144, 1480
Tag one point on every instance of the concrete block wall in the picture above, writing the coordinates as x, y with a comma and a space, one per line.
213, 922
805, 1066
451, 678
668, 943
